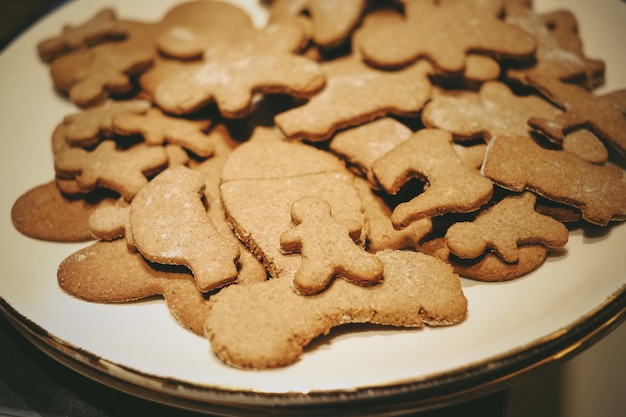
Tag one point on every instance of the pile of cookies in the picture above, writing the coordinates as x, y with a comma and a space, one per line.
347, 162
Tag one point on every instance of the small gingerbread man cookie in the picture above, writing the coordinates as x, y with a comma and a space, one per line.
328, 248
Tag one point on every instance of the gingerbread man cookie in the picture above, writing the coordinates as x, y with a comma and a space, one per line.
88, 126
158, 128
106, 70
328, 248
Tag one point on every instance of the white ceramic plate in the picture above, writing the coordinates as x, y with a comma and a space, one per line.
513, 328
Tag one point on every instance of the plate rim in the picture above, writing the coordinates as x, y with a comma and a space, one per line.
426, 392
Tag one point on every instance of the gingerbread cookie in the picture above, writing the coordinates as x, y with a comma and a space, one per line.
518, 163
106, 70
121, 170
381, 233
267, 325
262, 179
559, 52
187, 238
250, 269
503, 227
111, 222
586, 145
44, 212
231, 72
189, 28
107, 272
102, 27
492, 111
495, 110
392, 46
360, 146
328, 246
354, 94
489, 267
453, 187
157, 128
602, 114
478, 67
87, 127
332, 22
